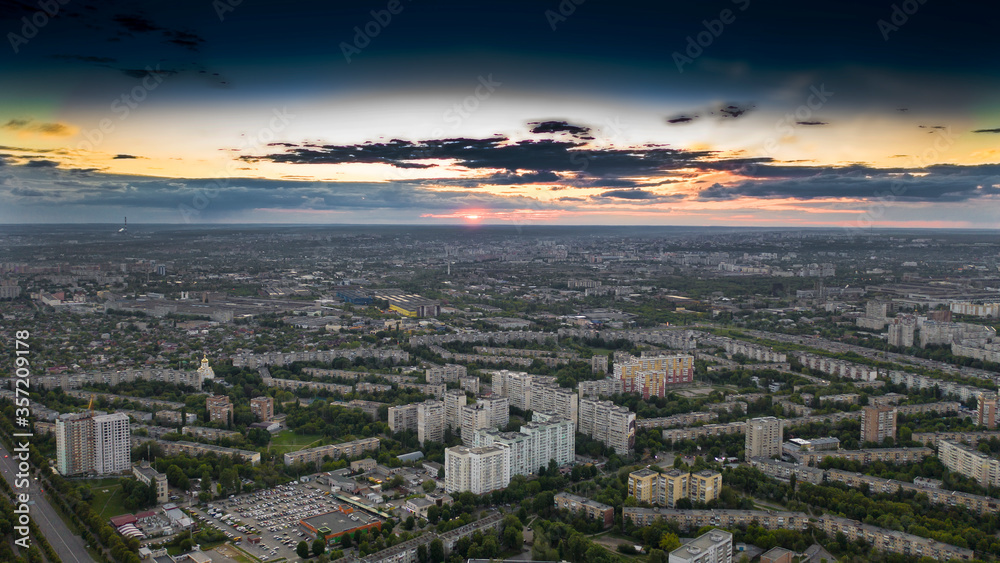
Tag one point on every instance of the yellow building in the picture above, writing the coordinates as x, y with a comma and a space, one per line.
642, 485
705, 486
673, 486
666, 488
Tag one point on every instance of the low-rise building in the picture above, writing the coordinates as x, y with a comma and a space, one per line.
591, 508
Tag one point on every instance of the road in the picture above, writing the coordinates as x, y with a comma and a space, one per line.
68, 546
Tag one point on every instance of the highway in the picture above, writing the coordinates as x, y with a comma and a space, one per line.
69, 547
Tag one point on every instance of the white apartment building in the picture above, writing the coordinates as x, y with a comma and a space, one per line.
479, 470
95, 443
430, 421
454, 400
715, 546
608, 423
543, 439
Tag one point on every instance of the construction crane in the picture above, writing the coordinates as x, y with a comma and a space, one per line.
90, 405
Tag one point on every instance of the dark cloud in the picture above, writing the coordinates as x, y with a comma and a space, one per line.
85, 58
997, 130
124, 156
32, 126
539, 156
41, 163
143, 73
811, 123
135, 23
735, 110
558, 127
681, 119
184, 39
629, 194
934, 187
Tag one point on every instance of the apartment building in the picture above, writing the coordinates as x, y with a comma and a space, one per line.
967, 461
764, 437
219, 409
454, 400
715, 546
651, 376
262, 408
667, 487
559, 401
722, 518
544, 439
92, 443
608, 423
486, 413
333, 451
479, 470
695, 432
887, 455
986, 410
430, 421
592, 509
877, 424
600, 387
403, 418
195, 449
146, 475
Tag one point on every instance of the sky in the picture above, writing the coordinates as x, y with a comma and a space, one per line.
722, 112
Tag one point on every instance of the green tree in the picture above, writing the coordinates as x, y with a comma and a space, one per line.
319, 546
429, 486
436, 554
669, 542
302, 549
345, 541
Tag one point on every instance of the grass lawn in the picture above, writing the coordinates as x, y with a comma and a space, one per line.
108, 497
287, 441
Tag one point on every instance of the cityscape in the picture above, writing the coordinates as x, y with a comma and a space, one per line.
561, 281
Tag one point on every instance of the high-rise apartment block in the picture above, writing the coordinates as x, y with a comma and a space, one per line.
608, 423
262, 408
715, 546
972, 463
403, 417
651, 376
986, 410
544, 439
430, 421
219, 409
764, 436
878, 423
477, 470
454, 400
486, 413
92, 443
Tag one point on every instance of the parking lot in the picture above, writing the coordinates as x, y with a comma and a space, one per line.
273, 515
